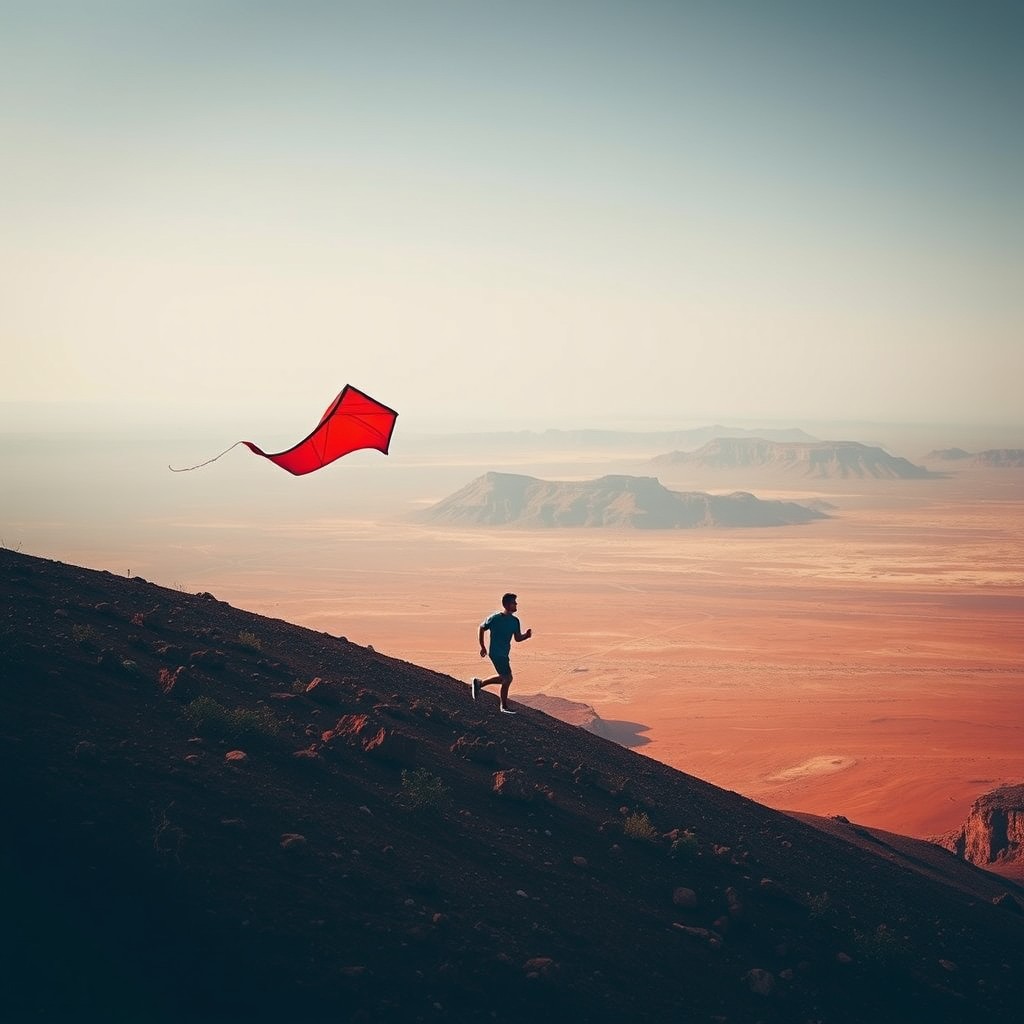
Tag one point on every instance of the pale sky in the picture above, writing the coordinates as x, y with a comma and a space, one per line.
524, 211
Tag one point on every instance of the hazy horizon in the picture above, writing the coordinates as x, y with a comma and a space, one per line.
573, 212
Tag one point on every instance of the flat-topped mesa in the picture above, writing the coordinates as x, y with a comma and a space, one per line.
636, 502
824, 459
1000, 458
997, 458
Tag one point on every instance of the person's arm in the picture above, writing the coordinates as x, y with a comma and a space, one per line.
483, 646
520, 637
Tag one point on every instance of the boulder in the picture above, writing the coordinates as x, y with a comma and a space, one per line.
683, 897
324, 691
759, 981
390, 745
512, 785
540, 967
213, 661
180, 683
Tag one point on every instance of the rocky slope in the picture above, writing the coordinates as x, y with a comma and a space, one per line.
510, 499
211, 815
822, 459
993, 833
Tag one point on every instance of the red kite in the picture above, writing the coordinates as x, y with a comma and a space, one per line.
352, 421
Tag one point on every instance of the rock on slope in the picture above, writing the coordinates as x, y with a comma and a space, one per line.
194, 831
510, 499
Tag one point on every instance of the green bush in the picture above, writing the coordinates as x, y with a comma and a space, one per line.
83, 634
819, 904
881, 947
247, 639
638, 826
685, 847
211, 717
422, 791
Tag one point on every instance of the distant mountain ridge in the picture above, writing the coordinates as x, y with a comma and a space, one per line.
999, 458
823, 459
558, 439
511, 499
947, 454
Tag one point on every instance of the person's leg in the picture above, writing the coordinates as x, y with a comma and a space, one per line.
506, 682
478, 684
502, 674
503, 678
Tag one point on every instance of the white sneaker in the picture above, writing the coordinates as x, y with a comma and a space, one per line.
506, 711
474, 688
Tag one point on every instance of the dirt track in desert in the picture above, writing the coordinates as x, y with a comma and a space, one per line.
870, 665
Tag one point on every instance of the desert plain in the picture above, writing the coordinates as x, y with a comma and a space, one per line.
870, 664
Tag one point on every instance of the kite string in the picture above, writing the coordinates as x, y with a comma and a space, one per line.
188, 469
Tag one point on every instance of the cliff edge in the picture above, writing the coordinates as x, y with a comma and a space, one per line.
993, 834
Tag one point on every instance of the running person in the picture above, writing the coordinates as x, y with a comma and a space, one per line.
504, 627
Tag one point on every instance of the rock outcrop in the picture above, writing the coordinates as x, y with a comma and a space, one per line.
994, 831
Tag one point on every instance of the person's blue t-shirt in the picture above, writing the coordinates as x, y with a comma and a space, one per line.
502, 627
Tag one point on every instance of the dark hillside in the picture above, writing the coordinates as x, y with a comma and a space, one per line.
191, 834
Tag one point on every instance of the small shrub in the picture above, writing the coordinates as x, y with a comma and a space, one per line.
211, 717
685, 847
247, 639
207, 714
422, 791
167, 837
254, 722
83, 634
881, 947
638, 826
819, 904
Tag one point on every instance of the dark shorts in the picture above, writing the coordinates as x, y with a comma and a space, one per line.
501, 665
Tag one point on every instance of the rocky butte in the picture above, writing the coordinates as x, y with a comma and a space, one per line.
616, 501
993, 834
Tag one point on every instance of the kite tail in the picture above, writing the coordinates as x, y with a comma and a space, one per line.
188, 469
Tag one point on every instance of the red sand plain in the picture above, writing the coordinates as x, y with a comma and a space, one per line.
870, 665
